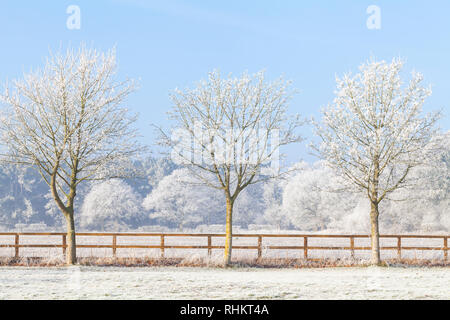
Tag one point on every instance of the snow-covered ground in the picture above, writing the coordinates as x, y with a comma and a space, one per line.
209, 283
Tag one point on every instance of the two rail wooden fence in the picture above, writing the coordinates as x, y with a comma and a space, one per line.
305, 247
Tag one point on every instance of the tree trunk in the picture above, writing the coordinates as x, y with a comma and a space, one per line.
71, 255
375, 234
228, 232
67, 210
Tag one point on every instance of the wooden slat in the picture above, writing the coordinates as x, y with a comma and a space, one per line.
259, 247
352, 247
64, 244
114, 245
32, 233
162, 246
209, 246
284, 247
305, 248
220, 235
31, 246
421, 248
16, 243
445, 248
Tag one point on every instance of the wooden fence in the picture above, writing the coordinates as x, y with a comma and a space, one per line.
305, 247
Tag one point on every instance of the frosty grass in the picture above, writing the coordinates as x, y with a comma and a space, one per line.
209, 283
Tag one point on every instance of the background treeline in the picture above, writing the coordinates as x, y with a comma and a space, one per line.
166, 197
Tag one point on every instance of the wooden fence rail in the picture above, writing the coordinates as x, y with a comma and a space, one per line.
258, 247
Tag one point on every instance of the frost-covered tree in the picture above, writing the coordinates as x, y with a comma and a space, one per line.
427, 199
67, 122
152, 171
374, 132
20, 196
157, 168
313, 199
273, 197
249, 206
230, 129
111, 205
181, 200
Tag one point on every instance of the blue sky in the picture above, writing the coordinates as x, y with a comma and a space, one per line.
169, 44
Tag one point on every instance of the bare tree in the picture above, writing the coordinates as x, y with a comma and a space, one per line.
373, 133
229, 134
66, 121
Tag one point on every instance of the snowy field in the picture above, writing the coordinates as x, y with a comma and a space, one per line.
208, 283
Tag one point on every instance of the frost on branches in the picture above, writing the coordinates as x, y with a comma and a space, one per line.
111, 205
373, 133
180, 199
67, 122
314, 200
229, 130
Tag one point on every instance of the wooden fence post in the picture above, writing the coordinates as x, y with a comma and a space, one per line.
352, 247
259, 247
445, 249
114, 245
162, 246
209, 246
16, 246
305, 247
399, 248
64, 244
